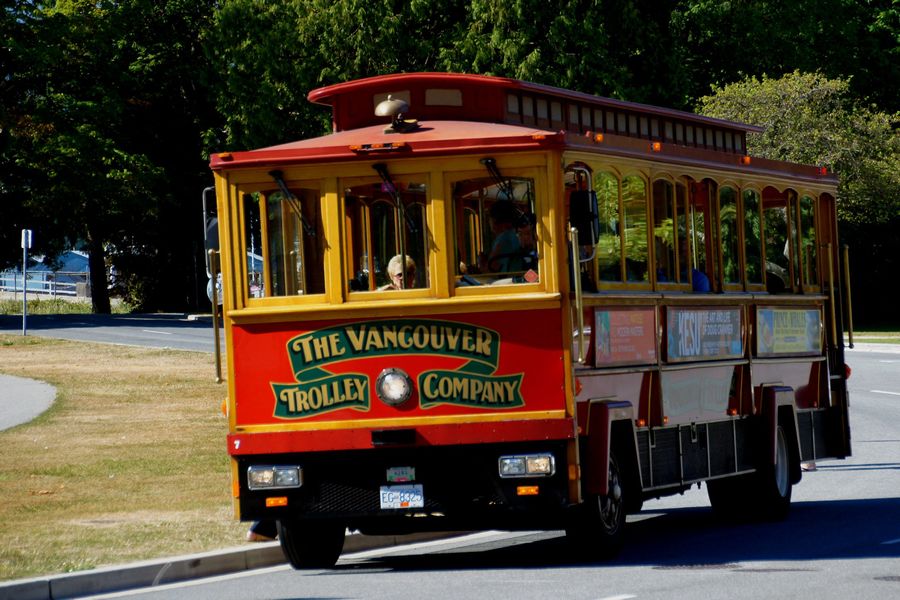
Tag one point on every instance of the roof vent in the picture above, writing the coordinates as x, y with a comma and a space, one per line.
394, 108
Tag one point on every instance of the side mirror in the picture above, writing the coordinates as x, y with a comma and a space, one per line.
584, 216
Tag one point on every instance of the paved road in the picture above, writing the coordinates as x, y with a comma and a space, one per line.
841, 541
177, 331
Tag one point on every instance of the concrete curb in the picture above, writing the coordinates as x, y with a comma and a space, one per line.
180, 568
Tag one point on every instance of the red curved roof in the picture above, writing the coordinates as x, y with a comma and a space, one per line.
432, 136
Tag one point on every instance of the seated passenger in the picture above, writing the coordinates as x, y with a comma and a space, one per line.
505, 255
699, 281
527, 245
395, 271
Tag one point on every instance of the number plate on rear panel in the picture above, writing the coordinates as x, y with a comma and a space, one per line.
402, 496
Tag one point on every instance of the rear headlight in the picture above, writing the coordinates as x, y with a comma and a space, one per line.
274, 477
527, 465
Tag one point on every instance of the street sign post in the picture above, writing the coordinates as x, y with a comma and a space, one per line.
26, 245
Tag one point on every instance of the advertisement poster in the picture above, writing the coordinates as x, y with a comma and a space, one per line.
625, 336
782, 331
703, 334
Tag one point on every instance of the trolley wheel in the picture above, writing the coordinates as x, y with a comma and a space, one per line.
596, 529
311, 544
774, 483
764, 495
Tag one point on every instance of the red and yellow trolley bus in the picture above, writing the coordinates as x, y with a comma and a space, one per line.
482, 303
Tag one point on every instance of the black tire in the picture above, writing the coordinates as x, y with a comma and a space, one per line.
773, 482
311, 544
596, 529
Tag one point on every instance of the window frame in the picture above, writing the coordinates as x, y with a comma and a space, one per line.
537, 174
348, 267
265, 189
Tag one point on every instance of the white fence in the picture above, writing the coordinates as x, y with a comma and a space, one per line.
53, 284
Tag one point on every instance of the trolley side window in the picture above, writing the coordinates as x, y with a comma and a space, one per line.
729, 236
780, 228
808, 241
386, 234
284, 242
753, 238
622, 248
670, 232
496, 237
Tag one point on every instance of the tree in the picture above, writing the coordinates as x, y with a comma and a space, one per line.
107, 125
268, 56
727, 41
811, 119
613, 48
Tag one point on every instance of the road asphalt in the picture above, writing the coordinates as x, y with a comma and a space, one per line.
21, 400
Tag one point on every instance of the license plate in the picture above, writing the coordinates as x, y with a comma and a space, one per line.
402, 496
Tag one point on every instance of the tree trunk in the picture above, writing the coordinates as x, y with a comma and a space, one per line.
97, 266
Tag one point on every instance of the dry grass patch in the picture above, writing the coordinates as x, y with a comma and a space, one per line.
128, 464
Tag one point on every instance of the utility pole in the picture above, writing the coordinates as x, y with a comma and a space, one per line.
26, 244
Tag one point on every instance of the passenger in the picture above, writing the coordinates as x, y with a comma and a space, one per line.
505, 255
699, 280
395, 271
262, 531
527, 245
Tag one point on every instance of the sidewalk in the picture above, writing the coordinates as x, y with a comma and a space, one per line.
21, 400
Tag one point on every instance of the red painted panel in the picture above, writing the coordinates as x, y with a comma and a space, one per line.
803, 377
325, 371
426, 435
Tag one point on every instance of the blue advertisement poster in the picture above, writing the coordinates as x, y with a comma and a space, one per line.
703, 334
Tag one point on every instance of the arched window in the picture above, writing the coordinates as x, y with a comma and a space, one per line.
754, 267
729, 236
609, 244
634, 218
808, 241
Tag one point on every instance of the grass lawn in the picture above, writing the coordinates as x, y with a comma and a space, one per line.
875, 337
128, 464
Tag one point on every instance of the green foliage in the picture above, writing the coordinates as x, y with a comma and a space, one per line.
105, 127
269, 55
726, 41
811, 119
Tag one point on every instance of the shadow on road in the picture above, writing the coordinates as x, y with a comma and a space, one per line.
692, 538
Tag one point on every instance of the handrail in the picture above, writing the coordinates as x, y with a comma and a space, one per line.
214, 270
831, 295
846, 249
579, 300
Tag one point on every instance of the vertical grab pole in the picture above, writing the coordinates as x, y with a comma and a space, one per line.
214, 269
831, 295
846, 250
579, 301
24, 285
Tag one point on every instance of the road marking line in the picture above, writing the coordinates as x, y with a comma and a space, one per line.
154, 331
619, 597
884, 392
889, 542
